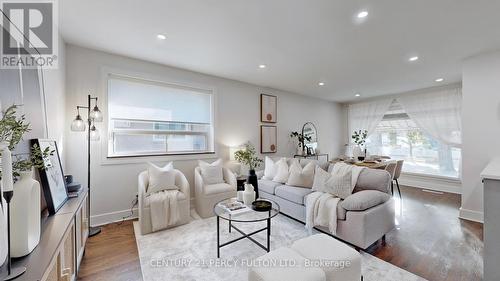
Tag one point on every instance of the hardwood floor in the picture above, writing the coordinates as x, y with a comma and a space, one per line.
429, 241
112, 255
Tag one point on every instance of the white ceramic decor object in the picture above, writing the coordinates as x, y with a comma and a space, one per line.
7, 180
3, 232
25, 215
6, 166
239, 195
356, 152
248, 194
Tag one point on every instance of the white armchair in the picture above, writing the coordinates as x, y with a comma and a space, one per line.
207, 195
182, 197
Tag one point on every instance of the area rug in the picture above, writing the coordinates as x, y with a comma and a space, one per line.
189, 252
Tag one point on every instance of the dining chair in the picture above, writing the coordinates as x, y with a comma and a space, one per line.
391, 168
397, 174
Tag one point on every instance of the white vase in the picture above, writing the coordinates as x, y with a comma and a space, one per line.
248, 195
356, 152
6, 166
239, 195
3, 231
25, 215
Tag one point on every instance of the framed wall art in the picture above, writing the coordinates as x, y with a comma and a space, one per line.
268, 139
52, 177
268, 108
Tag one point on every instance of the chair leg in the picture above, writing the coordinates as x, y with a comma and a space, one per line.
392, 188
399, 190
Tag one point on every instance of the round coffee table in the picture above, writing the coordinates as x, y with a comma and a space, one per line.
249, 216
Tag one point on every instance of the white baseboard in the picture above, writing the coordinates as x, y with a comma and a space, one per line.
112, 217
431, 183
471, 215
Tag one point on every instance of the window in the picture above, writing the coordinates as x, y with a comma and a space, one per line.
400, 138
153, 118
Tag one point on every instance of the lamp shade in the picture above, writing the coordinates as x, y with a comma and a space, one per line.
96, 114
78, 125
94, 134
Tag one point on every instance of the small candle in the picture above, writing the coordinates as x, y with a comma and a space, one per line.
7, 180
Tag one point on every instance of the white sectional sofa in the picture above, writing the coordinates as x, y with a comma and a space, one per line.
363, 218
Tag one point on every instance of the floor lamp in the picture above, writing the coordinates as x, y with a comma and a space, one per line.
78, 125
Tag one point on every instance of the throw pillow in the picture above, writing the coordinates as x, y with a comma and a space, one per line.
320, 178
364, 200
161, 178
269, 168
339, 185
212, 173
301, 177
281, 175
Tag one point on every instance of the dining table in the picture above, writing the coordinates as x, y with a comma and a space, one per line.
368, 164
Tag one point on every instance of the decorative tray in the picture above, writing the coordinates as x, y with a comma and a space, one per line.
262, 206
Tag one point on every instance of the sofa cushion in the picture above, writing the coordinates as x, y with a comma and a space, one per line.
268, 186
364, 200
218, 188
373, 179
292, 193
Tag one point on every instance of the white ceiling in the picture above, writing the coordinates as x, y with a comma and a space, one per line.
301, 42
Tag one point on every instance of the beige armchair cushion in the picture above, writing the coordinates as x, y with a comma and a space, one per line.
217, 188
212, 173
161, 178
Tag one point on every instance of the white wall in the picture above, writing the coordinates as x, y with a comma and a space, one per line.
55, 95
114, 184
481, 127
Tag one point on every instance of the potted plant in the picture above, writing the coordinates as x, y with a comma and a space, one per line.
248, 157
301, 139
359, 138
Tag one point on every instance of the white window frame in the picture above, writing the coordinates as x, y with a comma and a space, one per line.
107, 72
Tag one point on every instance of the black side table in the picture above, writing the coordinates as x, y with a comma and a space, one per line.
240, 183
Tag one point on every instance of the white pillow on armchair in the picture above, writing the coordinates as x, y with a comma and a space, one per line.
161, 178
212, 173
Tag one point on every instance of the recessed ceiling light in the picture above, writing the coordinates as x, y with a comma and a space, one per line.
262, 66
439, 80
161, 36
362, 14
415, 58
321, 83
357, 95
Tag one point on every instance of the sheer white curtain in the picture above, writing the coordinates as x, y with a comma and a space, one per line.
438, 113
367, 115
